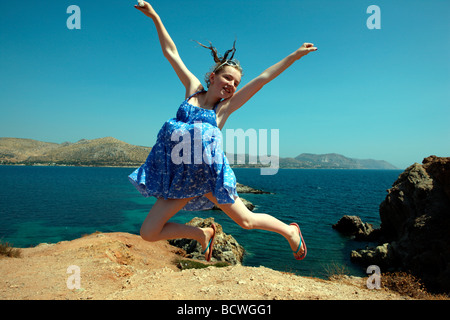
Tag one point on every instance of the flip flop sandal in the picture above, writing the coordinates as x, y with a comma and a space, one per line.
210, 244
300, 244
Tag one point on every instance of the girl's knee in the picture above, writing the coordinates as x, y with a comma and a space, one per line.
246, 221
240, 214
148, 235
246, 224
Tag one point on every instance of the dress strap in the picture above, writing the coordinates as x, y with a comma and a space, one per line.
215, 107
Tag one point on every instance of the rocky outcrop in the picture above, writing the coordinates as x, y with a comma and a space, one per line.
353, 226
415, 224
382, 256
240, 188
226, 248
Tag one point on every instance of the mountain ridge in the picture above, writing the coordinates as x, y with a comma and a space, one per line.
109, 151
338, 161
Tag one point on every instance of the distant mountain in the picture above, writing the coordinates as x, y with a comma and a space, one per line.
338, 161
112, 152
318, 161
97, 152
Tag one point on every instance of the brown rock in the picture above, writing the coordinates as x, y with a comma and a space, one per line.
415, 217
353, 226
226, 248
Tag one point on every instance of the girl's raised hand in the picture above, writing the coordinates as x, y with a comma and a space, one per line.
305, 49
147, 9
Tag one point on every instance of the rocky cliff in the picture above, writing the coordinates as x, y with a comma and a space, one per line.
415, 225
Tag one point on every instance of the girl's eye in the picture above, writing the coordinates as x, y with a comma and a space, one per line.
230, 78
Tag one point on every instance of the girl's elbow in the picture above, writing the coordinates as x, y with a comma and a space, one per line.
169, 53
264, 78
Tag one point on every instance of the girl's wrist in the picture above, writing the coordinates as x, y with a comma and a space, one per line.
153, 16
299, 53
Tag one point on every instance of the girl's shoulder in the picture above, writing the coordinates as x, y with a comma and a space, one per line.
193, 91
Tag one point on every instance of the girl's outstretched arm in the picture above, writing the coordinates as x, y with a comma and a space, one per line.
244, 94
190, 82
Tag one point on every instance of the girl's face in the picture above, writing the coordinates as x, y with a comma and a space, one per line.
225, 81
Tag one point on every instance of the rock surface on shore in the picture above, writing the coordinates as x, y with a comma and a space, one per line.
123, 266
415, 225
226, 248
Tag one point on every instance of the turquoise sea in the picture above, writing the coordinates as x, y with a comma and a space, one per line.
50, 204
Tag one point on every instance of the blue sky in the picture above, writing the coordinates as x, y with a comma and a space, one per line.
380, 94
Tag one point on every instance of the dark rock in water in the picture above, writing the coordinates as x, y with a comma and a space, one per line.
240, 188
226, 248
415, 220
381, 256
353, 226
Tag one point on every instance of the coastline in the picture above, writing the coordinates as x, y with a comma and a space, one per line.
138, 165
111, 152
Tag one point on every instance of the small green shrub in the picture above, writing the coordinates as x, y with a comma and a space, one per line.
7, 250
335, 270
191, 264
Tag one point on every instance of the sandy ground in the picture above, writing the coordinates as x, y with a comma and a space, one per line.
123, 266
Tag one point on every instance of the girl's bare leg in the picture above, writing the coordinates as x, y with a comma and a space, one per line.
240, 214
155, 226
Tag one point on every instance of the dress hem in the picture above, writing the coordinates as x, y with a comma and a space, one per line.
232, 196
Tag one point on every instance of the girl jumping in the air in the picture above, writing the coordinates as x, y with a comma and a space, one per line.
197, 181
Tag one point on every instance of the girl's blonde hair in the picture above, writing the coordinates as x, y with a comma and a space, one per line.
221, 62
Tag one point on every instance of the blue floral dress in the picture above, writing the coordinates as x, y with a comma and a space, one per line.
188, 161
